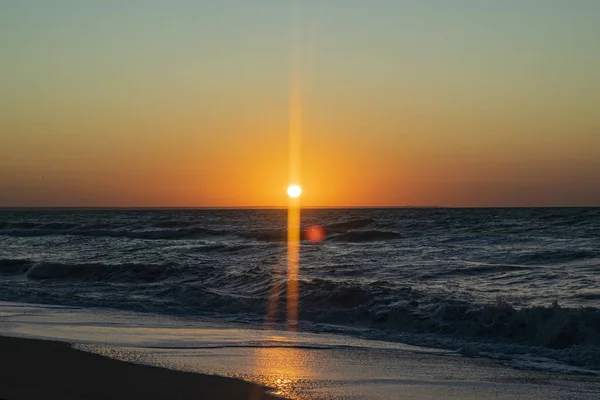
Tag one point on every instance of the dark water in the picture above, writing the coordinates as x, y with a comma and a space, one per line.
487, 281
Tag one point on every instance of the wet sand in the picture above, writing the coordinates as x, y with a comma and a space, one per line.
38, 369
297, 365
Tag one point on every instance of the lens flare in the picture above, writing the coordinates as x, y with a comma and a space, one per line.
315, 233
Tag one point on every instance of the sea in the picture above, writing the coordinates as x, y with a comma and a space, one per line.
518, 285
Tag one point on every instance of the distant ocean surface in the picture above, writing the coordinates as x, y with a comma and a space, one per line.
491, 282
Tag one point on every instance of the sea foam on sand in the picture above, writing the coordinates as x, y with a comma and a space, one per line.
298, 365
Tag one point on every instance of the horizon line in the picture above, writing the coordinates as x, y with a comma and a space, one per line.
24, 208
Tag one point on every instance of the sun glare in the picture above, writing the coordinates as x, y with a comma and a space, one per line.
294, 190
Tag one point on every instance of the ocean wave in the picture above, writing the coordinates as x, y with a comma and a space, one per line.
549, 257
13, 266
347, 231
273, 235
121, 273
132, 273
18, 225
589, 295
175, 233
356, 223
173, 223
345, 236
552, 326
475, 269
132, 234
405, 310
224, 247
573, 334
57, 226
365, 236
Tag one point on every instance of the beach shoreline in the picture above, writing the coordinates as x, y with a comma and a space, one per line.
75, 353
34, 368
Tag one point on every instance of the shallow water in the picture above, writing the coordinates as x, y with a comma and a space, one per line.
497, 282
295, 364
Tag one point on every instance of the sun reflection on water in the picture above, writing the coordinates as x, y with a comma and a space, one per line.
281, 368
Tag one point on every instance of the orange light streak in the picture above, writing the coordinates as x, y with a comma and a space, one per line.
293, 261
293, 228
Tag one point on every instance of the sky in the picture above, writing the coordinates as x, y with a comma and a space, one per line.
396, 103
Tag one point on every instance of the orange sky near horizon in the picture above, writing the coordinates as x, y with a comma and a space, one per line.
189, 105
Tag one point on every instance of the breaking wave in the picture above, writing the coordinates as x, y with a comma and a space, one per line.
377, 307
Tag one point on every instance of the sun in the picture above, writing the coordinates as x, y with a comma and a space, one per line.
294, 190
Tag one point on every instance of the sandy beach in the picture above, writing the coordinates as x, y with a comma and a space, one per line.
36, 369
76, 353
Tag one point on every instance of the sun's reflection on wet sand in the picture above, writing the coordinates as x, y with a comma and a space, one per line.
280, 368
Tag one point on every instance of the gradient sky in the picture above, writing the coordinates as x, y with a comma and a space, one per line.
187, 103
